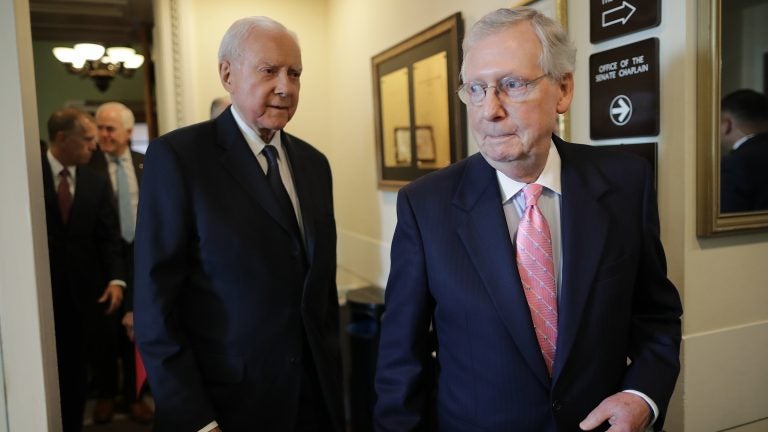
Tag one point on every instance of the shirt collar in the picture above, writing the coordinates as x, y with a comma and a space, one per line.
549, 177
57, 166
251, 136
125, 156
743, 139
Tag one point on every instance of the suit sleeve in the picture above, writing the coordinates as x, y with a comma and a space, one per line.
164, 265
402, 381
655, 328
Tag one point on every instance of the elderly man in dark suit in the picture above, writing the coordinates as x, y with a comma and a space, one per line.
87, 274
744, 139
236, 309
536, 262
117, 162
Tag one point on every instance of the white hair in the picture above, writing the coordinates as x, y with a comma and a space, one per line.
126, 115
558, 53
230, 48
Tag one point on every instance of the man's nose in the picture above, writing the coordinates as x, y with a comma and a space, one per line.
285, 85
492, 108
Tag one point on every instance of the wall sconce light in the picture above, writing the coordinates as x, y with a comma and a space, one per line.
88, 60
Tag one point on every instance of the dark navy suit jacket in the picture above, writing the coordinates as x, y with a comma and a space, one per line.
744, 177
226, 297
453, 265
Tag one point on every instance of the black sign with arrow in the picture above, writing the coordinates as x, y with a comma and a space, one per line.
624, 91
613, 18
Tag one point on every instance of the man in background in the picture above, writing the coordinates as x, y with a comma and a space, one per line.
236, 309
536, 262
117, 162
744, 140
87, 274
218, 106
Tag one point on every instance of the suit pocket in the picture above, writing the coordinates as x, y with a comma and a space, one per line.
620, 267
220, 369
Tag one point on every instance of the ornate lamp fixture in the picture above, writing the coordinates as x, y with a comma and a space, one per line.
88, 60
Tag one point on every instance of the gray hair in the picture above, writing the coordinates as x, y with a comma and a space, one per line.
558, 53
231, 44
126, 115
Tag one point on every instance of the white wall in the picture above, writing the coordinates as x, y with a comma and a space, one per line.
31, 400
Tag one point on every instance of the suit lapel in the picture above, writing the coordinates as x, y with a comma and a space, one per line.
240, 161
138, 165
584, 231
302, 182
51, 197
83, 199
494, 257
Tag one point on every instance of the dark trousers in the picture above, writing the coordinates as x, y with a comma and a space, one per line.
110, 347
71, 362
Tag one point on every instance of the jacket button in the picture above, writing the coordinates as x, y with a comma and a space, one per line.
292, 360
557, 405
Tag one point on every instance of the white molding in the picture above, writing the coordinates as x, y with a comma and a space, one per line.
26, 312
724, 377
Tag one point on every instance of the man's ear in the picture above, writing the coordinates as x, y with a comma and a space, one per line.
566, 93
225, 74
59, 137
726, 124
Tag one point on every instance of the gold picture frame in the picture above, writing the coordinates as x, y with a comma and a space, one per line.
420, 123
710, 220
557, 10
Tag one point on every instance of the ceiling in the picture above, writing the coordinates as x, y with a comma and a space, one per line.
111, 22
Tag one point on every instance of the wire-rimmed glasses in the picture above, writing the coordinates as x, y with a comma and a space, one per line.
516, 89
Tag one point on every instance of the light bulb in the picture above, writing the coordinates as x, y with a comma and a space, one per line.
89, 51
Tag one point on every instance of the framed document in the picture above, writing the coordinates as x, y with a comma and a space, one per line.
420, 122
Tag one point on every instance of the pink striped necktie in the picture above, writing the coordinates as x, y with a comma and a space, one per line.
537, 272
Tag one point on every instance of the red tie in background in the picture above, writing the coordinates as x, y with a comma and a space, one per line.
141, 373
65, 196
537, 272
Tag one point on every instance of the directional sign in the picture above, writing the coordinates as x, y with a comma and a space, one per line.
621, 110
613, 18
624, 91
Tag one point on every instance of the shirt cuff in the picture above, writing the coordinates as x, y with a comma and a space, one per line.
650, 403
209, 427
118, 282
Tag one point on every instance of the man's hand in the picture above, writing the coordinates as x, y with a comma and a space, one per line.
114, 296
128, 324
625, 412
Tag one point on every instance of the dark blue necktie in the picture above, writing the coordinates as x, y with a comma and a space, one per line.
278, 188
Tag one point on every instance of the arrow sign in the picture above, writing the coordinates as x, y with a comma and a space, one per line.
615, 14
621, 110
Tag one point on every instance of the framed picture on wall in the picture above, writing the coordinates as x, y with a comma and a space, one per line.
557, 10
420, 122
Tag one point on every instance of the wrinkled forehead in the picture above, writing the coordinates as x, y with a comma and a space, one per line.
271, 45
514, 51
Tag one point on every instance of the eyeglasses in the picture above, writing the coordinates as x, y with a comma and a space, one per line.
473, 93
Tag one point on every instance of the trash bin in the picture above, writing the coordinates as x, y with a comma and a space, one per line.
365, 306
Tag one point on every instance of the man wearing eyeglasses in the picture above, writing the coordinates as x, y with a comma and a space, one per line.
537, 263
